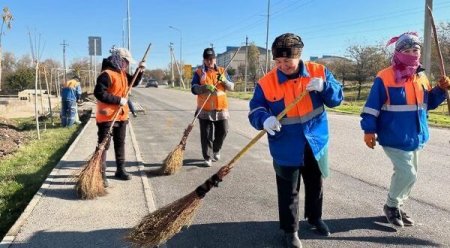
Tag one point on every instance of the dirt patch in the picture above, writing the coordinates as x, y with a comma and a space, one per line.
10, 138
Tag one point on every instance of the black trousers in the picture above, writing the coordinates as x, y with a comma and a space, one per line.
118, 136
288, 186
212, 135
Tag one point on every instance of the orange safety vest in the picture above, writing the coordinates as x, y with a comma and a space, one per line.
413, 87
290, 89
218, 99
119, 87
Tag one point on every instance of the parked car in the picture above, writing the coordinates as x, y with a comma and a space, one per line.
151, 83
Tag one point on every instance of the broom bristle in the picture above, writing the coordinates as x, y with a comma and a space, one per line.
174, 161
161, 225
90, 182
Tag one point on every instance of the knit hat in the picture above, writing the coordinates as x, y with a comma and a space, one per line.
209, 53
405, 41
287, 45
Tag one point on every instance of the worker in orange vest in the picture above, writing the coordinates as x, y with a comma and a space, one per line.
298, 142
111, 88
210, 83
396, 115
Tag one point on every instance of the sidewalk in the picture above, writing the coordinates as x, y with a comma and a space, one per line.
56, 217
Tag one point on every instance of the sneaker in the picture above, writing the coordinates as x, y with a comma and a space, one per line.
208, 163
321, 227
216, 156
135, 115
407, 220
292, 240
393, 215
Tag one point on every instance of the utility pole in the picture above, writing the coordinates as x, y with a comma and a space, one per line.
123, 31
267, 36
172, 77
427, 39
246, 61
181, 47
130, 69
212, 45
64, 44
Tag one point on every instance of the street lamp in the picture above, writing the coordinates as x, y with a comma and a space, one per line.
181, 46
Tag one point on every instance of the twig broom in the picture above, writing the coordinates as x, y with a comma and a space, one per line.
441, 59
174, 160
161, 225
90, 183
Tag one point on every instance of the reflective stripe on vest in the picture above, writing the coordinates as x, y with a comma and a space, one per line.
302, 119
414, 92
403, 108
287, 91
218, 99
118, 87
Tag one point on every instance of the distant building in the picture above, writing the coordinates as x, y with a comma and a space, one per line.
27, 94
224, 58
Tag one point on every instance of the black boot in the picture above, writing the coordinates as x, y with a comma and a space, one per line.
321, 227
121, 173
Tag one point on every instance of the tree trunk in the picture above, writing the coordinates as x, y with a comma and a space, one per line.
359, 90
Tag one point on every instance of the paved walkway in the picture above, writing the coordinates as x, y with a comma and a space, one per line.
56, 217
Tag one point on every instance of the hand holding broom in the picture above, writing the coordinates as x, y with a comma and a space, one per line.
174, 160
90, 182
161, 225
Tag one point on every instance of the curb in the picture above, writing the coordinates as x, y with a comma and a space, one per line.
140, 164
15, 229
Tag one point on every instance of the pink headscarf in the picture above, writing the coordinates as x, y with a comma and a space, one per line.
405, 65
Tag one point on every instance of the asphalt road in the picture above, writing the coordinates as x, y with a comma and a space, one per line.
242, 212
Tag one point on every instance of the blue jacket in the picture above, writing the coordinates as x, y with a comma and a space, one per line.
71, 91
287, 146
397, 113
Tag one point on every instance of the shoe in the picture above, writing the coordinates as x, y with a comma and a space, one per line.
407, 220
216, 156
122, 174
292, 240
321, 227
393, 215
208, 163
135, 115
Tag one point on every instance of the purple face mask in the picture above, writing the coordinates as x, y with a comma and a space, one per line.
405, 65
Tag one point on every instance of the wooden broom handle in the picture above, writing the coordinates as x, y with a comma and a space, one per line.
224, 170
438, 48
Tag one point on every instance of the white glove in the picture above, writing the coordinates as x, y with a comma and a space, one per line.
271, 124
142, 65
123, 101
316, 84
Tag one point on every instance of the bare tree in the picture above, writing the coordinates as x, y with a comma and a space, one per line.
157, 74
253, 62
368, 60
7, 17
444, 43
342, 68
